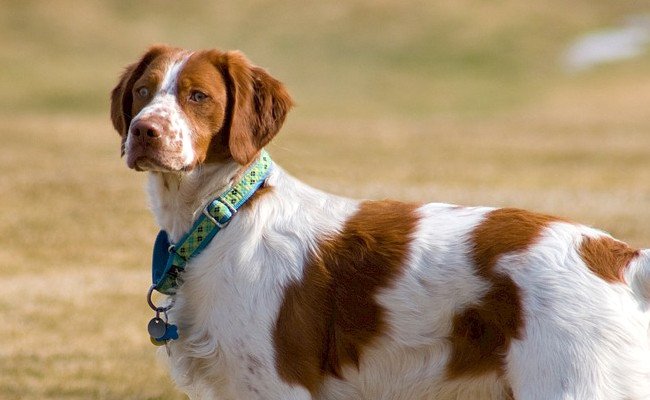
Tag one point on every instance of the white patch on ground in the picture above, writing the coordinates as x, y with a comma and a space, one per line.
609, 45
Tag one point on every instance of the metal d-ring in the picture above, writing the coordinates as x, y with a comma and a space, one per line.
153, 306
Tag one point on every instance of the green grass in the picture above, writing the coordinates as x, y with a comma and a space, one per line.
454, 101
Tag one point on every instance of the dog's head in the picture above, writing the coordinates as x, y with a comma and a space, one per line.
176, 109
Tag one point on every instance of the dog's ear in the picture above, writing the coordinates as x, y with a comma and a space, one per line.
259, 106
121, 95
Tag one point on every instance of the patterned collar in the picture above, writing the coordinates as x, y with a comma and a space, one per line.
169, 260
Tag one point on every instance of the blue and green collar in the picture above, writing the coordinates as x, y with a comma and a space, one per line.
170, 259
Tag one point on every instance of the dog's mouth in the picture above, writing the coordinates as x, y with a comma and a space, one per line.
148, 164
154, 164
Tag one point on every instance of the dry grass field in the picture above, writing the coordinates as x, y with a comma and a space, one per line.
457, 101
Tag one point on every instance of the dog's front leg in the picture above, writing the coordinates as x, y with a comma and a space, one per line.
262, 387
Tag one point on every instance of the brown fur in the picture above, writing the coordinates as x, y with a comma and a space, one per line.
481, 334
260, 105
259, 194
606, 257
327, 319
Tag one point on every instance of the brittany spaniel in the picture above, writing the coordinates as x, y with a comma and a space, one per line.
307, 295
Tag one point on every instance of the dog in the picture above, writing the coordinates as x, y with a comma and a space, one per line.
300, 294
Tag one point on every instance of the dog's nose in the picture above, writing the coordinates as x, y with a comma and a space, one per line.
145, 130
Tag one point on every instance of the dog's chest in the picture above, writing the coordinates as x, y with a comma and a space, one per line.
226, 310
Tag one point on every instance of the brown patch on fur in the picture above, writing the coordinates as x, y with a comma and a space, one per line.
606, 257
327, 319
481, 334
121, 95
207, 117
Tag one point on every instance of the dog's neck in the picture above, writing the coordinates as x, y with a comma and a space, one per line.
177, 198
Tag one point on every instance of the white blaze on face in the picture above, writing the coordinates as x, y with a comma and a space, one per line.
164, 105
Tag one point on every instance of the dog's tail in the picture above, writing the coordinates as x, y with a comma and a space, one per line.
638, 276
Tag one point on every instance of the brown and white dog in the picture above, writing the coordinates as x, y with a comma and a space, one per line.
306, 295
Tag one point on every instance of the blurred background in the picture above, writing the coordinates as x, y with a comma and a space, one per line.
535, 104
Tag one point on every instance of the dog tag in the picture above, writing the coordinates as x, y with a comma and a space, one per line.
157, 328
171, 333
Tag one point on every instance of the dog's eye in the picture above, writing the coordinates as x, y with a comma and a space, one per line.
198, 96
143, 92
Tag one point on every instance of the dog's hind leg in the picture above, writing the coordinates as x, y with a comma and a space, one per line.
561, 363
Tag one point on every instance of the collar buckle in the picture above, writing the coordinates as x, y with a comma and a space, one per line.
209, 216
